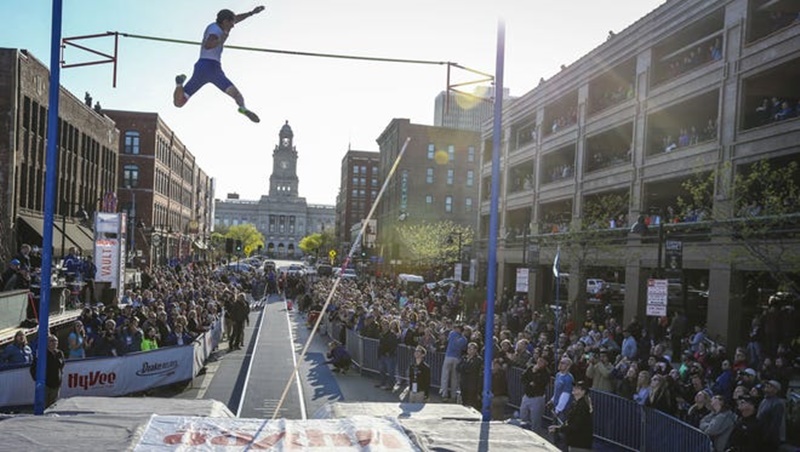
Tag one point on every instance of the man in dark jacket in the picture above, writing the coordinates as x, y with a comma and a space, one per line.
747, 435
240, 313
534, 384
419, 377
470, 371
578, 428
54, 372
387, 355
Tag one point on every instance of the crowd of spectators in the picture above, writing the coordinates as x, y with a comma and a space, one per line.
776, 109
561, 122
692, 58
688, 135
560, 172
665, 364
173, 308
609, 156
614, 96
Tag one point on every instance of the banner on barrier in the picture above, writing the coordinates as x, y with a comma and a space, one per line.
358, 433
116, 376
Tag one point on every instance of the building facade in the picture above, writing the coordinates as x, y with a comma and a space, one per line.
282, 217
87, 159
359, 186
165, 193
465, 111
437, 180
694, 89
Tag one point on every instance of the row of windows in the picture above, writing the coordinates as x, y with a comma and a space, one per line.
363, 182
451, 153
429, 177
363, 170
132, 146
361, 193
448, 203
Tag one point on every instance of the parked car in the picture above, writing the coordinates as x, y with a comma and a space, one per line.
349, 273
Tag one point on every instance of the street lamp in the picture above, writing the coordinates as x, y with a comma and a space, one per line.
80, 213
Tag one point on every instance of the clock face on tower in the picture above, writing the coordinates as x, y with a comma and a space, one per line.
284, 164
285, 142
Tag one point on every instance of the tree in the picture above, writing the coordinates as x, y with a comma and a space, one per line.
318, 243
433, 243
761, 217
248, 234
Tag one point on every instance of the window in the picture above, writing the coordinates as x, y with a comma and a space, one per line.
355, 169
374, 182
429, 176
428, 200
131, 142
448, 203
450, 176
431, 151
471, 154
363, 170
470, 178
468, 204
451, 153
130, 176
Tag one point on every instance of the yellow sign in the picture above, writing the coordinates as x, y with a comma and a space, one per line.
332, 253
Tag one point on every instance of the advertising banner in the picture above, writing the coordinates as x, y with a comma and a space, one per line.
117, 376
107, 260
522, 280
359, 433
657, 296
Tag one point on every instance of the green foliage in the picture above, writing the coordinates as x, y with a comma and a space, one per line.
248, 234
598, 210
762, 216
433, 242
321, 242
764, 190
700, 189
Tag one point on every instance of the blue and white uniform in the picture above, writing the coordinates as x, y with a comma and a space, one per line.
208, 68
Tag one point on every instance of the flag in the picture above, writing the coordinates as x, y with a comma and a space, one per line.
555, 262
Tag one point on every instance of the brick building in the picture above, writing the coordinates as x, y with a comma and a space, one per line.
168, 197
359, 186
436, 180
87, 158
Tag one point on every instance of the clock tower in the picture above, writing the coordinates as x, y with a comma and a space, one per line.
283, 181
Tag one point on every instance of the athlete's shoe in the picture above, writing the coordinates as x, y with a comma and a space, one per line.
179, 79
252, 116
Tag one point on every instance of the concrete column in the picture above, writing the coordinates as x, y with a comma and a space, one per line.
635, 296
724, 304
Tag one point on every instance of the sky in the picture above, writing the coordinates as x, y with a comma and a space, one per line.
332, 105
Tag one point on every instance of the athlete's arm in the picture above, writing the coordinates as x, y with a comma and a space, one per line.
243, 16
214, 41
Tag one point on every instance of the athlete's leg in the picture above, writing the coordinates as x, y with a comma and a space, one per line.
237, 96
179, 97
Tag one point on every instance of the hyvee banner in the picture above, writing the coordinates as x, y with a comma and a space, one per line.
116, 376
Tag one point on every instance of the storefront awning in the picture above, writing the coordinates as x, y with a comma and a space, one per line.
36, 224
82, 237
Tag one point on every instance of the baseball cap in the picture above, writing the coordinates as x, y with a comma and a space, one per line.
775, 384
750, 372
14, 262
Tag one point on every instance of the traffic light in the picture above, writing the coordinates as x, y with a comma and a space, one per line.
238, 246
229, 245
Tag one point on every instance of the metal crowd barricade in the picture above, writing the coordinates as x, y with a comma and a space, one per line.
354, 346
617, 420
369, 357
665, 432
515, 390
